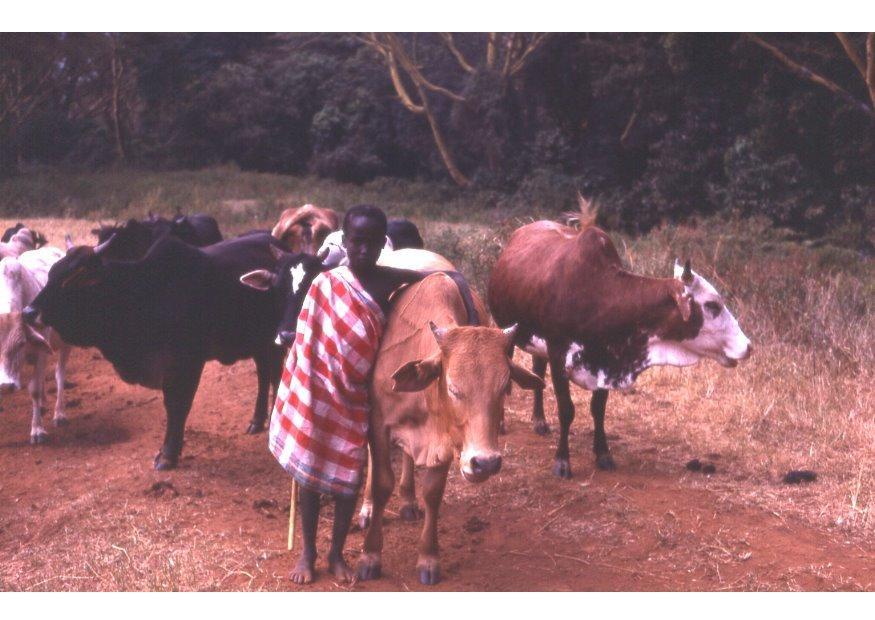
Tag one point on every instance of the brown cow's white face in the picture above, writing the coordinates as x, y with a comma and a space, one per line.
473, 373
720, 338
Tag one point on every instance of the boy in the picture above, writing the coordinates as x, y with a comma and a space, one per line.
319, 426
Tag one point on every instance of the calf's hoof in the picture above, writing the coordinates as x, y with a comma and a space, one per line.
429, 571
164, 462
254, 428
562, 468
410, 512
39, 438
605, 462
62, 421
540, 427
369, 567
364, 521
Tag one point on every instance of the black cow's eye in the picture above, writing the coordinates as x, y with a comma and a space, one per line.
713, 307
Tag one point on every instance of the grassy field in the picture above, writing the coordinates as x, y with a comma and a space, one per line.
804, 401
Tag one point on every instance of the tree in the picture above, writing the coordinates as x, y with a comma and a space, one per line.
504, 56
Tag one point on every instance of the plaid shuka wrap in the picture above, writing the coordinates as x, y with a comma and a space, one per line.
319, 424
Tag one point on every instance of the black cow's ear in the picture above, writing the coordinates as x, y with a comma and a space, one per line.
260, 279
80, 278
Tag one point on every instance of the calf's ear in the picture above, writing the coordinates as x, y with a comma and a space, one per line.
260, 279
416, 375
524, 378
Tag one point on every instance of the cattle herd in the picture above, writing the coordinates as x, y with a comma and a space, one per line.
159, 298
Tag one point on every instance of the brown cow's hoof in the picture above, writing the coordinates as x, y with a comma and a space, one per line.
540, 427
164, 462
605, 462
369, 567
502, 428
254, 428
63, 421
562, 468
38, 439
429, 571
410, 512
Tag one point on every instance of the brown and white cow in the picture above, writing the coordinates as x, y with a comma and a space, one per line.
599, 325
438, 390
303, 229
21, 279
21, 240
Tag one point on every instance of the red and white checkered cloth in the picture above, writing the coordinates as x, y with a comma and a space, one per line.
319, 424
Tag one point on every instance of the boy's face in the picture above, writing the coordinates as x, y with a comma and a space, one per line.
363, 239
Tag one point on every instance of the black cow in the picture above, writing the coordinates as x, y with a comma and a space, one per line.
404, 234
160, 318
133, 239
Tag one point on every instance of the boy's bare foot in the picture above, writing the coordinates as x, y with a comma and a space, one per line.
302, 573
341, 570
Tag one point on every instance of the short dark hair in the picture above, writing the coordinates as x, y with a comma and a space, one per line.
369, 211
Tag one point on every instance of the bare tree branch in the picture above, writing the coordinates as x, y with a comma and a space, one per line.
448, 39
870, 65
851, 51
534, 44
810, 75
413, 71
490, 50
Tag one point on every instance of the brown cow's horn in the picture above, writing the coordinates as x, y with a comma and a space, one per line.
68, 240
510, 332
687, 276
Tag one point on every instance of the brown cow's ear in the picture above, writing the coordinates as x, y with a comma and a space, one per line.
416, 375
260, 279
683, 300
525, 379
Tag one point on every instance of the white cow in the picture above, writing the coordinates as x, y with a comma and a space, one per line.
21, 279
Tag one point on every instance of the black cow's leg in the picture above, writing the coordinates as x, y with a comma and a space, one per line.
264, 368
562, 466
600, 442
180, 385
539, 422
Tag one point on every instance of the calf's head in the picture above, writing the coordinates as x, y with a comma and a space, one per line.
289, 281
473, 374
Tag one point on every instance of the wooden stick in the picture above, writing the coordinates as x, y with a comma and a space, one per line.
293, 506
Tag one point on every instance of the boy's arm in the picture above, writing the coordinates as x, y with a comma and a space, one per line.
402, 277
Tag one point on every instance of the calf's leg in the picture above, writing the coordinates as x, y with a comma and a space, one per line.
562, 466
407, 490
597, 405
382, 483
539, 423
427, 565
180, 385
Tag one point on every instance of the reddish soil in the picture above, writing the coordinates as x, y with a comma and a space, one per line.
87, 512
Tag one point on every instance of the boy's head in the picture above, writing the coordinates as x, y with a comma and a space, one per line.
364, 235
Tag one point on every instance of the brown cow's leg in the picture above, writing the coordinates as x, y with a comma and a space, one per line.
407, 489
539, 423
427, 564
562, 466
180, 386
382, 484
367, 508
597, 405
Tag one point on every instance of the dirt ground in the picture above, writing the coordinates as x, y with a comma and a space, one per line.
87, 512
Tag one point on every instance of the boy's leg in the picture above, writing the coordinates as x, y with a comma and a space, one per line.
344, 508
308, 502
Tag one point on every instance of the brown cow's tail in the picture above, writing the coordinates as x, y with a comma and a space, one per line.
586, 215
